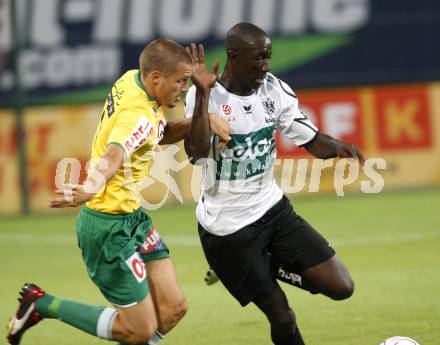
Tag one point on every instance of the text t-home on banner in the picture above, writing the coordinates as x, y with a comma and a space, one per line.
73, 50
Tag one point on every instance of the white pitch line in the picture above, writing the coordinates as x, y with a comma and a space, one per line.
193, 241
385, 239
8, 238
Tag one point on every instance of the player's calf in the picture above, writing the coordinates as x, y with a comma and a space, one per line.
136, 324
168, 298
130, 334
284, 330
283, 327
170, 315
331, 278
133, 325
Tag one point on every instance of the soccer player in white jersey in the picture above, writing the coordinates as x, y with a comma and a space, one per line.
247, 226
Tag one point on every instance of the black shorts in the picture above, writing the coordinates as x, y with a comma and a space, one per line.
242, 262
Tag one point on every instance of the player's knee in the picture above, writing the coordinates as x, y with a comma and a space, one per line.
180, 310
344, 289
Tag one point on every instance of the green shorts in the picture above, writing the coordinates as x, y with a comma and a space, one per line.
114, 249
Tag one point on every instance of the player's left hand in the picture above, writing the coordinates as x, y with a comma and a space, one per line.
70, 196
220, 127
201, 77
346, 150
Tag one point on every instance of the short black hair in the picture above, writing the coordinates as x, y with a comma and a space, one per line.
243, 35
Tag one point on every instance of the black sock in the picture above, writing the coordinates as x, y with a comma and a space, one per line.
280, 337
298, 340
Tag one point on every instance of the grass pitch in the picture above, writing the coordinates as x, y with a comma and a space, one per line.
390, 242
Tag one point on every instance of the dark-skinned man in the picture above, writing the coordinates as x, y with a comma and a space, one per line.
247, 227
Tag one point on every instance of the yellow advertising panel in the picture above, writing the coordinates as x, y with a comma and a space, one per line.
55, 133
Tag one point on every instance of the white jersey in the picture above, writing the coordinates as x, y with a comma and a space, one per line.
238, 186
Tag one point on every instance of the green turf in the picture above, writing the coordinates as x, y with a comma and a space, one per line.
390, 242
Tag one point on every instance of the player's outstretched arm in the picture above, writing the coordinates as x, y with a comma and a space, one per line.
324, 146
103, 171
198, 137
176, 130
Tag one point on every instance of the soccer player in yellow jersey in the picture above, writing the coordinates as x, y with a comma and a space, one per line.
124, 254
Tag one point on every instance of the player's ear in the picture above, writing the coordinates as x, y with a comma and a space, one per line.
155, 77
232, 56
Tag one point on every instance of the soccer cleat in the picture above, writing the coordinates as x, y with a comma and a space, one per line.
211, 277
26, 316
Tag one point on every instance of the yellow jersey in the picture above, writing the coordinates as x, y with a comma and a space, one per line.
133, 120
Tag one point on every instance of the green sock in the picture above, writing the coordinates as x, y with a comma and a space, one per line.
95, 320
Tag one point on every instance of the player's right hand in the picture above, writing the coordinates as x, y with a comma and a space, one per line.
201, 77
70, 196
347, 150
